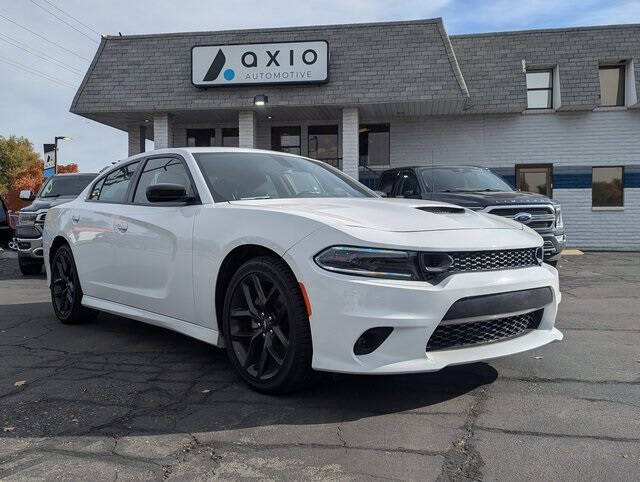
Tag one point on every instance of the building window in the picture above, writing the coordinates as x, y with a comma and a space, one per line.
607, 187
286, 139
540, 89
323, 144
230, 137
201, 137
374, 145
612, 85
534, 178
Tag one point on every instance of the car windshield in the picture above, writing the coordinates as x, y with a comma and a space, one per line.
234, 176
65, 185
463, 179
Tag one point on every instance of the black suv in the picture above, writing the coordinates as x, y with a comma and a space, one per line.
57, 189
6, 233
480, 189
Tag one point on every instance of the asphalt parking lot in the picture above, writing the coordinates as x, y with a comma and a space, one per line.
117, 399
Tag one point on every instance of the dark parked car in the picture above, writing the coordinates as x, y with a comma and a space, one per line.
481, 190
57, 189
6, 233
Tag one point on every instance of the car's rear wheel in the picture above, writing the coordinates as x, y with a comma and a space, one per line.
29, 266
266, 327
66, 294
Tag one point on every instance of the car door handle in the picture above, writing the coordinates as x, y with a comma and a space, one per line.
75, 218
122, 226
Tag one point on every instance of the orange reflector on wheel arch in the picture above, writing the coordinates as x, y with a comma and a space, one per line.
306, 298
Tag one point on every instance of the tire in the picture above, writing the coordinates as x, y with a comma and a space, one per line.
266, 327
29, 266
66, 294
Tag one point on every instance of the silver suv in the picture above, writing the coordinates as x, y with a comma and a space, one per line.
57, 189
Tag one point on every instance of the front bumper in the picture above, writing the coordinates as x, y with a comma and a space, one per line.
554, 244
344, 307
30, 248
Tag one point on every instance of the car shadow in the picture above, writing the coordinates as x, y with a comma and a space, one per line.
117, 376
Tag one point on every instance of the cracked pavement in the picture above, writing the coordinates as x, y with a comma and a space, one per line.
117, 399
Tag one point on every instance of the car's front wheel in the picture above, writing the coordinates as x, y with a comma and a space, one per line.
266, 327
66, 294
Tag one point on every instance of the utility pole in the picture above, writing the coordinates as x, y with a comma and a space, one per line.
55, 151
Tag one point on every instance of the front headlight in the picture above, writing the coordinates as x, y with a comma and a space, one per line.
372, 262
559, 223
26, 218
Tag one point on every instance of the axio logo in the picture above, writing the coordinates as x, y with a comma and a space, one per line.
268, 63
216, 68
524, 218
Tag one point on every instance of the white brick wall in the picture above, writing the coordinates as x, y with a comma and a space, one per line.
589, 229
248, 128
350, 148
133, 134
586, 138
162, 131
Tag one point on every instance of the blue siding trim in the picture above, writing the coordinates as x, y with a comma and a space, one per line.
571, 177
632, 176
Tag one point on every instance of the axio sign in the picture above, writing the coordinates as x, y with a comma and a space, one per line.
259, 64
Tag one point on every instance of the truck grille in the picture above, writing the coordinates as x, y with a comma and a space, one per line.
542, 217
493, 260
486, 331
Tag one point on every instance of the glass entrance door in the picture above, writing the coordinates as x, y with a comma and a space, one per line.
286, 139
535, 178
323, 144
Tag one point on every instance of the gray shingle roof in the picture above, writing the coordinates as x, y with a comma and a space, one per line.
491, 63
369, 63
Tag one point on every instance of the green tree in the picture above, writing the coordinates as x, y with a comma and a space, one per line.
16, 157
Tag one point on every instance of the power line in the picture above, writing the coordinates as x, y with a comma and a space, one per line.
39, 53
36, 72
72, 17
44, 38
64, 21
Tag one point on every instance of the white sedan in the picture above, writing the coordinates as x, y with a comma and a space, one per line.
293, 267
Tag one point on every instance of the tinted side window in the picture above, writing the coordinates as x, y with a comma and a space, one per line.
95, 192
387, 181
162, 171
410, 186
115, 185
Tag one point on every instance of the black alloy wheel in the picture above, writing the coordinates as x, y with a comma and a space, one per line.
266, 326
66, 294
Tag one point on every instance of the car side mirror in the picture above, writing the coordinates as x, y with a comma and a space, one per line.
159, 193
27, 195
381, 193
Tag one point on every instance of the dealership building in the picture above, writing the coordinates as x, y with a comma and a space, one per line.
552, 111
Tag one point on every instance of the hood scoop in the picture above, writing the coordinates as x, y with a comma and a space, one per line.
441, 209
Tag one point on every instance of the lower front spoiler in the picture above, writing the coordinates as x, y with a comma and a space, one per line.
437, 360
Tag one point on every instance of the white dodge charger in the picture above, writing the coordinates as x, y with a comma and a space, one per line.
293, 267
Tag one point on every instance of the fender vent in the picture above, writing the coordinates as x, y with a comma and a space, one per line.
441, 210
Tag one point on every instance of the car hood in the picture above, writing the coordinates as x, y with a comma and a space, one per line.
393, 215
485, 199
46, 203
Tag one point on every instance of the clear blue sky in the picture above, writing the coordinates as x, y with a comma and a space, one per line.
37, 108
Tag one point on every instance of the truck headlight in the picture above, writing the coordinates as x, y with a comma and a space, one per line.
371, 262
559, 223
26, 219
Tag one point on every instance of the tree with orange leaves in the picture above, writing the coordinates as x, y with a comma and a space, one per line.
21, 168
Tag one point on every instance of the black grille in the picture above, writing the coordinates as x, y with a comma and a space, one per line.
493, 260
476, 332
